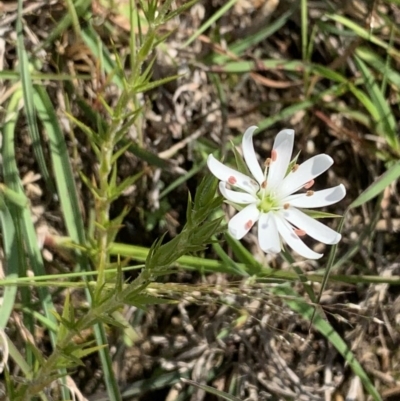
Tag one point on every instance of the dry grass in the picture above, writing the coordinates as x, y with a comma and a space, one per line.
229, 333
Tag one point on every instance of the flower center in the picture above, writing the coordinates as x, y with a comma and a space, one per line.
267, 202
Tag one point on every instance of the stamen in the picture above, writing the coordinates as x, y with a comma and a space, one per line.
267, 162
298, 232
264, 185
248, 225
274, 155
232, 180
309, 184
295, 167
309, 193
286, 206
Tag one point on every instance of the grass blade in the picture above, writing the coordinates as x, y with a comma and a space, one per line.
29, 108
210, 21
386, 123
80, 8
242, 45
211, 390
378, 64
362, 32
11, 253
25, 238
378, 186
65, 181
100, 51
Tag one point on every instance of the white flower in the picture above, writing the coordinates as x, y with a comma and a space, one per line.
269, 198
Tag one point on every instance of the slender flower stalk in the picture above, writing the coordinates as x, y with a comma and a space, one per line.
270, 198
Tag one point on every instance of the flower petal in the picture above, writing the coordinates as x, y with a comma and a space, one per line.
322, 198
240, 224
293, 240
231, 176
312, 227
268, 235
283, 148
306, 172
236, 197
250, 155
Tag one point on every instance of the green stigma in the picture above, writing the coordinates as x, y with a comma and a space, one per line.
267, 204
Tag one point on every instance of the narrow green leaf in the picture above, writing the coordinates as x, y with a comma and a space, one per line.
240, 163
65, 22
74, 18
235, 267
61, 166
19, 359
26, 239
244, 256
149, 157
9, 383
329, 73
309, 289
83, 352
292, 163
146, 86
125, 184
14, 197
143, 300
210, 21
373, 59
212, 390
317, 214
62, 328
242, 45
386, 123
96, 46
147, 46
29, 108
119, 153
241, 67
378, 186
362, 32
11, 255
183, 178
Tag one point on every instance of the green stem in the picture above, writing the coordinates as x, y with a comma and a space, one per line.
44, 375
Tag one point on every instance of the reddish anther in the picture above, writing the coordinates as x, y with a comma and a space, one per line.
309, 184
264, 185
274, 155
248, 225
232, 180
300, 233
295, 167
286, 206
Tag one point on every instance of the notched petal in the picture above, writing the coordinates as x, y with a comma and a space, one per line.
235, 196
227, 174
312, 227
293, 240
280, 157
240, 224
306, 172
322, 198
250, 155
268, 236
